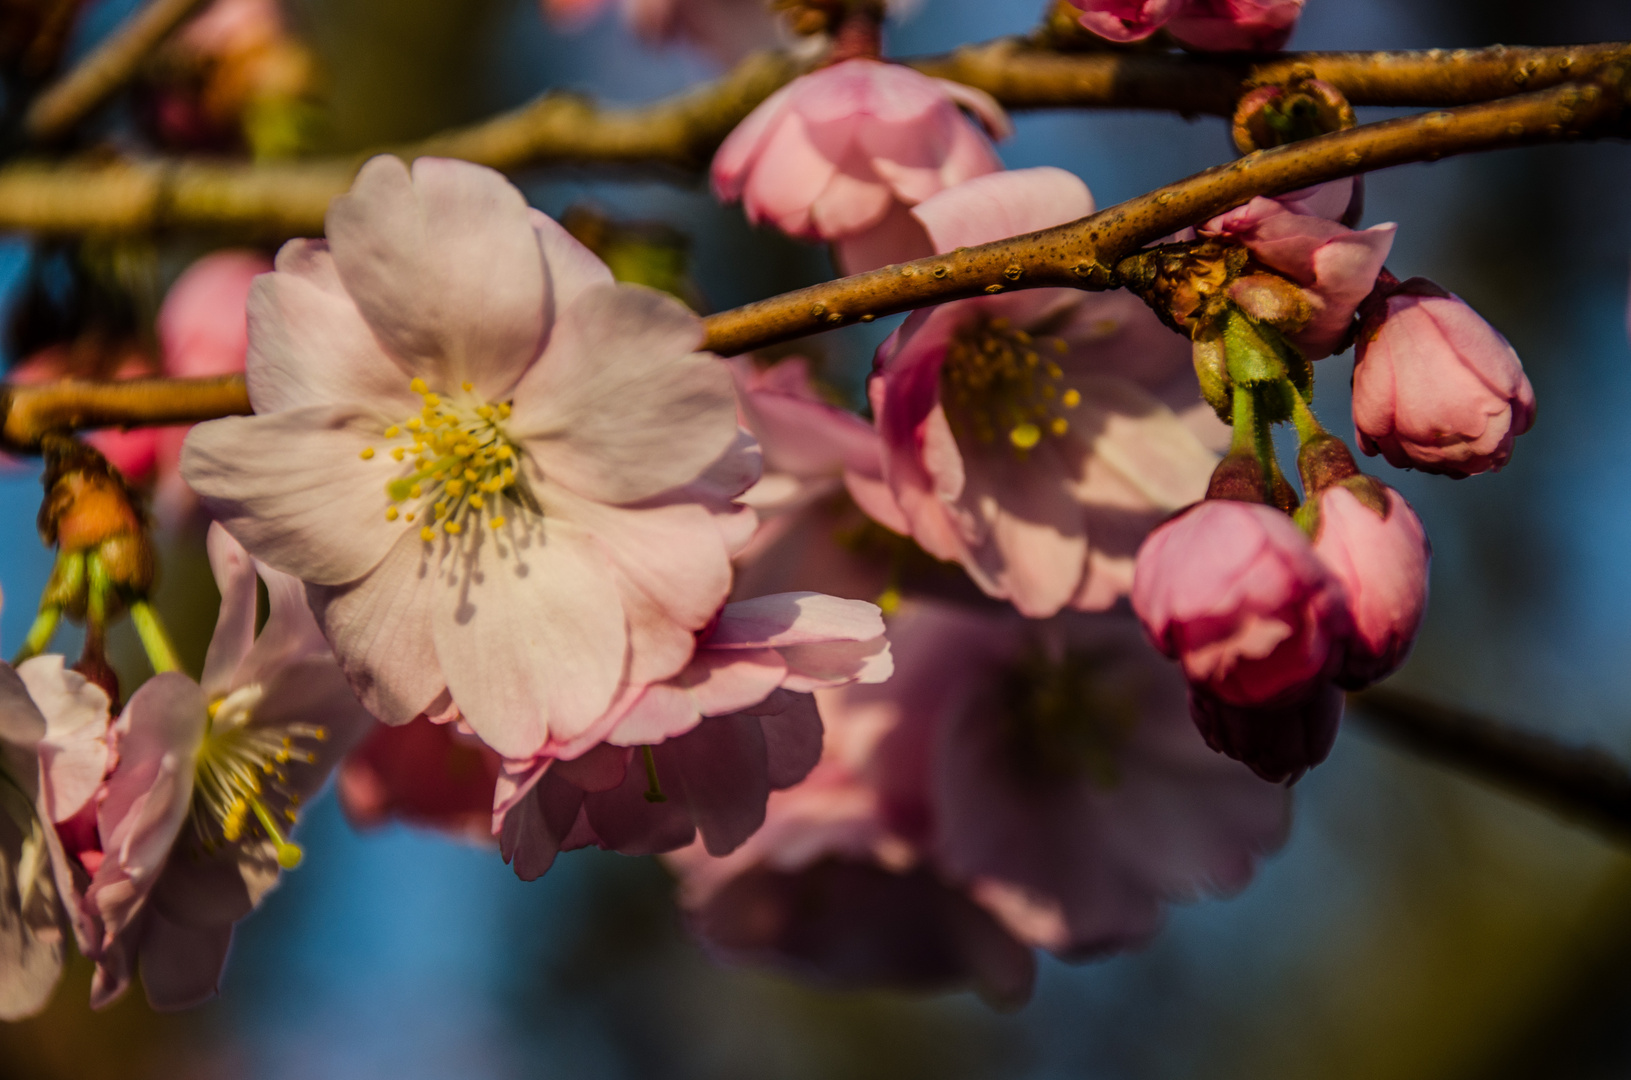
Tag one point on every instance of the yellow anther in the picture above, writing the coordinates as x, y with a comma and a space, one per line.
399, 453
498, 522
467, 386
1022, 337
1060, 345
438, 510
415, 491
477, 502
1059, 426
391, 513
392, 432
427, 533
1025, 436
453, 528
409, 517
432, 400
367, 453
505, 453
414, 425
455, 487
418, 386
1072, 398
1048, 391
471, 475
504, 410
484, 411
1055, 371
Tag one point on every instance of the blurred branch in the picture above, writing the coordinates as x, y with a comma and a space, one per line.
1081, 254
32, 413
289, 198
62, 105
1586, 786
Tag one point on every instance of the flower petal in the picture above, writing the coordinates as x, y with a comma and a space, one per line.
445, 266
235, 625
530, 633
74, 751
619, 408
291, 488
1003, 204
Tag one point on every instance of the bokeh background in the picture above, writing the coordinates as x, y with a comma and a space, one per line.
1417, 925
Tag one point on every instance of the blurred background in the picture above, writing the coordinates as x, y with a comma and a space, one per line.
1416, 926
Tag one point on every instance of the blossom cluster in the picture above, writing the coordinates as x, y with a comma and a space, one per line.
889, 691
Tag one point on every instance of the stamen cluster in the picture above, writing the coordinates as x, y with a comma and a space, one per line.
996, 381
462, 464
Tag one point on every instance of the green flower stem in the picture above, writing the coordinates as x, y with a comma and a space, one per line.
654, 789
1308, 425
155, 641
40, 634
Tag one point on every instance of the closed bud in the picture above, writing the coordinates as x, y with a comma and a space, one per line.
1276, 115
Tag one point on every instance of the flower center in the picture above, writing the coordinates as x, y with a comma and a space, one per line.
996, 383
1066, 718
239, 778
459, 465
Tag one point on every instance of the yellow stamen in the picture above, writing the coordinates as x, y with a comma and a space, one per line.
367, 453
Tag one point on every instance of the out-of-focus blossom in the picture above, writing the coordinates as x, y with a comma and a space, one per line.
1207, 25
203, 330
484, 457
1381, 559
209, 776
232, 76
423, 773
842, 154
1044, 770
1435, 387
1036, 437
1279, 741
727, 30
1300, 235
737, 724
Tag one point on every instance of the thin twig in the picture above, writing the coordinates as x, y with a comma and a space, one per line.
1081, 254
1587, 786
289, 198
61, 106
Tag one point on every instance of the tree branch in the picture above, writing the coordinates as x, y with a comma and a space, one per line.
61, 106
289, 198
1084, 254
1586, 786
1081, 254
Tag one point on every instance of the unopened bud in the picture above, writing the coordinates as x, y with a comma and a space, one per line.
1325, 461
1276, 115
90, 513
1212, 372
1272, 299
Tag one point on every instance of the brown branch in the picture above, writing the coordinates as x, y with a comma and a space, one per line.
1084, 253
36, 411
1586, 786
289, 198
110, 65
1081, 254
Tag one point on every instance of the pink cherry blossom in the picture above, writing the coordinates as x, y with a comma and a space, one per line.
1435, 387
32, 868
425, 774
1278, 741
726, 30
191, 819
737, 724
820, 461
1045, 770
1381, 560
1036, 437
1299, 234
841, 154
445, 326
1236, 594
1207, 25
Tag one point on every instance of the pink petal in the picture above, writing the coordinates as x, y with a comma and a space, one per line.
1001, 205
788, 176
532, 641
445, 266
793, 740
73, 750
744, 144
794, 619
535, 830
309, 345
235, 625
897, 238
619, 408
572, 267
292, 488
380, 628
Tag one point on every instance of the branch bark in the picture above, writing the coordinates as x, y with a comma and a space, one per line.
681, 132
1081, 254
1586, 786
61, 106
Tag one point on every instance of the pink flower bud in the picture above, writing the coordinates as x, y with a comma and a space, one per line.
1235, 593
1207, 25
1277, 742
842, 152
1381, 561
1435, 387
